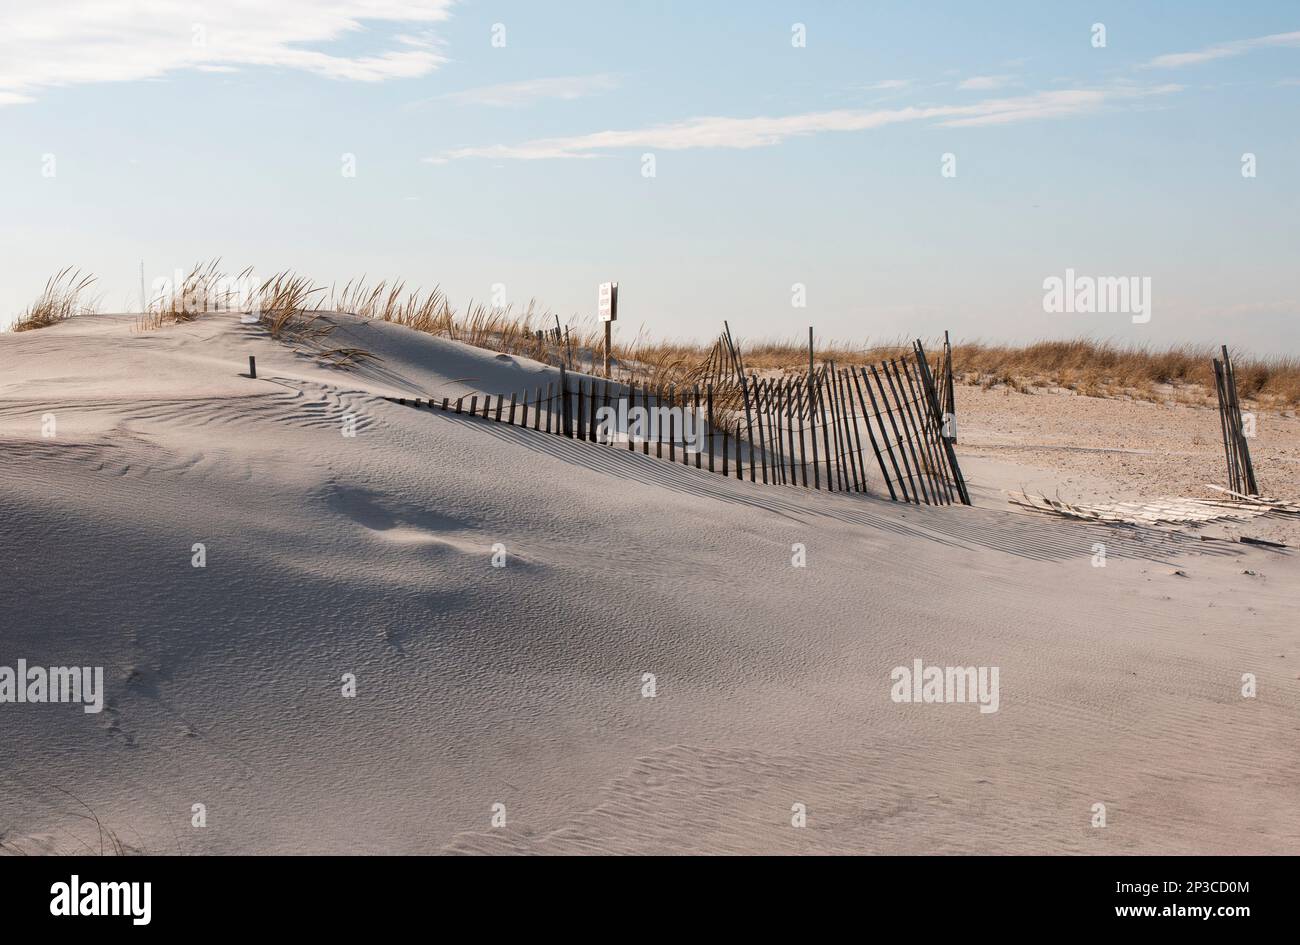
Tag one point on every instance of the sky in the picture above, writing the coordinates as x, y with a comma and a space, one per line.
875, 170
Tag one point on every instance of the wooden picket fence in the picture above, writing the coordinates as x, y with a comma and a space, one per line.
836, 430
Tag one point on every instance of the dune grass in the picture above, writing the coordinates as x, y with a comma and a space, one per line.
206, 288
1102, 368
1084, 366
64, 296
292, 307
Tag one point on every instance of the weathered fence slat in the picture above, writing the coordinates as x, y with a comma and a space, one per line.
921, 418
846, 424
906, 484
845, 378
875, 448
812, 431
803, 451
900, 401
819, 392
949, 450
787, 389
1229, 447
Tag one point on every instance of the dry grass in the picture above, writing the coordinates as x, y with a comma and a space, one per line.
501, 329
206, 288
291, 307
1099, 368
109, 843
1093, 368
61, 299
288, 306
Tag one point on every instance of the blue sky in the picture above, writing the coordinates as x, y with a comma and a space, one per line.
183, 131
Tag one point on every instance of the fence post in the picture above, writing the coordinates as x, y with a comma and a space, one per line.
649, 425
656, 423
632, 402
1243, 448
566, 422
698, 446
1234, 481
740, 469
604, 390
709, 392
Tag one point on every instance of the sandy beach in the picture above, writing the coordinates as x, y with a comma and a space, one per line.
506, 709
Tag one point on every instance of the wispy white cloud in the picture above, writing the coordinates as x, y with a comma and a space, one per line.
887, 85
720, 132
508, 94
1223, 51
985, 83
56, 43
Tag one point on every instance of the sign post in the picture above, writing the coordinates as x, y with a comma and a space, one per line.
607, 300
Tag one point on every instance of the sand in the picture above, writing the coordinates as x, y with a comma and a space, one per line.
1092, 449
516, 694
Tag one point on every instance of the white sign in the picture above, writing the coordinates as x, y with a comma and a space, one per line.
608, 301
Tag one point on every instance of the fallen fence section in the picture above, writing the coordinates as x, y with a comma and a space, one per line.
1154, 512
836, 430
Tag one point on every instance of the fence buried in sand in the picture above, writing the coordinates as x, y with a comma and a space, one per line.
850, 430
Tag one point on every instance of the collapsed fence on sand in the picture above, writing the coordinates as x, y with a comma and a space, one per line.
836, 429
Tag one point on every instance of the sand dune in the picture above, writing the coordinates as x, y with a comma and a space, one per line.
523, 686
